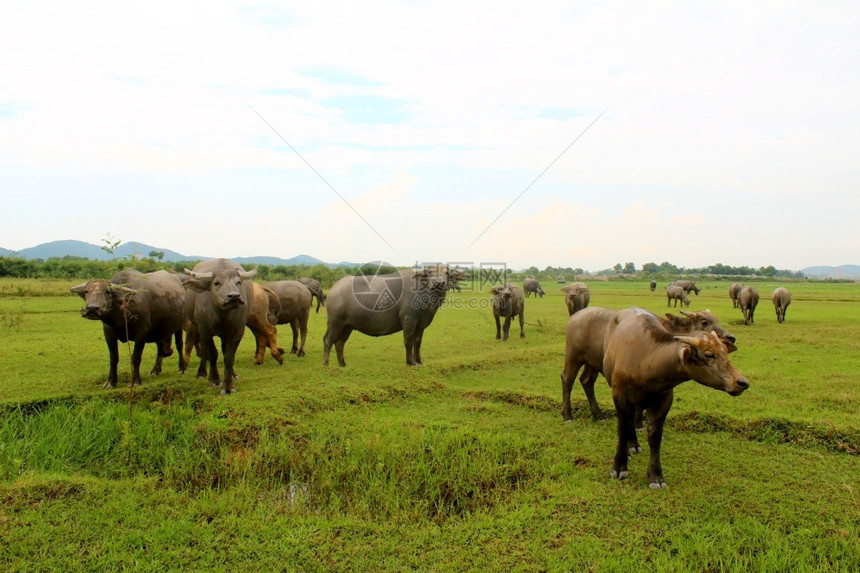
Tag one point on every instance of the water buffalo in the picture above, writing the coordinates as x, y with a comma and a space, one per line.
688, 286
676, 293
508, 302
139, 307
584, 345
316, 290
734, 291
576, 297
217, 297
295, 307
531, 285
781, 300
653, 286
643, 363
261, 321
379, 305
747, 301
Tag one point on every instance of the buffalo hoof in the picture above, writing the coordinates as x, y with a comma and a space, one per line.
214, 383
658, 485
108, 385
300, 353
167, 353
614, 474
225, 391
154, 372
635, 449
294, 350
279, 358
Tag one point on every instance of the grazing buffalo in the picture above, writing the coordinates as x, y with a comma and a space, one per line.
584, 345
576, 297
643, 363
507, 303
379, 305
747, 301
139, 307
217, 302
734, 291
676, 293
316, 290
531, 285
781, 300
294, 309
688, 286
653, 286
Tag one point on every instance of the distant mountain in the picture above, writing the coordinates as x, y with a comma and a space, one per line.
60, 249
840, 272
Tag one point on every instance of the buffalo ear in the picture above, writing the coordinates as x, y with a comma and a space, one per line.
565, 290
80, 289
730, 347
197, 284
494, 290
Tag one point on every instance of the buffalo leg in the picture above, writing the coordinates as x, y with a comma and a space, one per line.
303, 330
587, 380
624, 412
506, 328
113, 352
656, 419
419, 336
498, 328
163, 349
136, 357
522, 322
340, 343
228, 348
566, 387
183, 362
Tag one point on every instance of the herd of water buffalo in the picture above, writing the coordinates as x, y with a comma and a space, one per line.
641, 355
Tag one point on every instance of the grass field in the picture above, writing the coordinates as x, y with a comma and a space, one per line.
462, 464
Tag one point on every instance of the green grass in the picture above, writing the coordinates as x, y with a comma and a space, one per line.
463, 464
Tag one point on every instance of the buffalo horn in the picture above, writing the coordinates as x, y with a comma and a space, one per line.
79, 289
691, 340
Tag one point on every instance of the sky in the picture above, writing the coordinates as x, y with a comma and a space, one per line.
563, 133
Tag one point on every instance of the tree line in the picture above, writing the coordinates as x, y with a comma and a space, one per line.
71, 267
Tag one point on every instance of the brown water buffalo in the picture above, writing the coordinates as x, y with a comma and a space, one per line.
643, 363
316, 290
139, 307
531, 285
576, 297
747, 301
688, 286
676, 293
508, 303
585, 335
218, 294
653, 286
734, 291
378, 305
781, 300
295, 307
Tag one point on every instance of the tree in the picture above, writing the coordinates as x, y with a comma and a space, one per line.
629, 268
156, 254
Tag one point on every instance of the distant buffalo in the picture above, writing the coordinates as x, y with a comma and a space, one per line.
576, 297
747, 301
531, 285
781, 300
688, 286
507, 304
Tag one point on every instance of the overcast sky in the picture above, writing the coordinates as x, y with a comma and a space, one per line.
724, 132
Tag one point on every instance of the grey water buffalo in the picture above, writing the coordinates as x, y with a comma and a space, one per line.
781, 300
747, 301
576, 297
734, 291
379, 305
585, 335
531, 285
653, 286
295, 307
643, 363
261, 323
218, 294
138, 307
508, 303
316, 290
676, 293
688, 286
